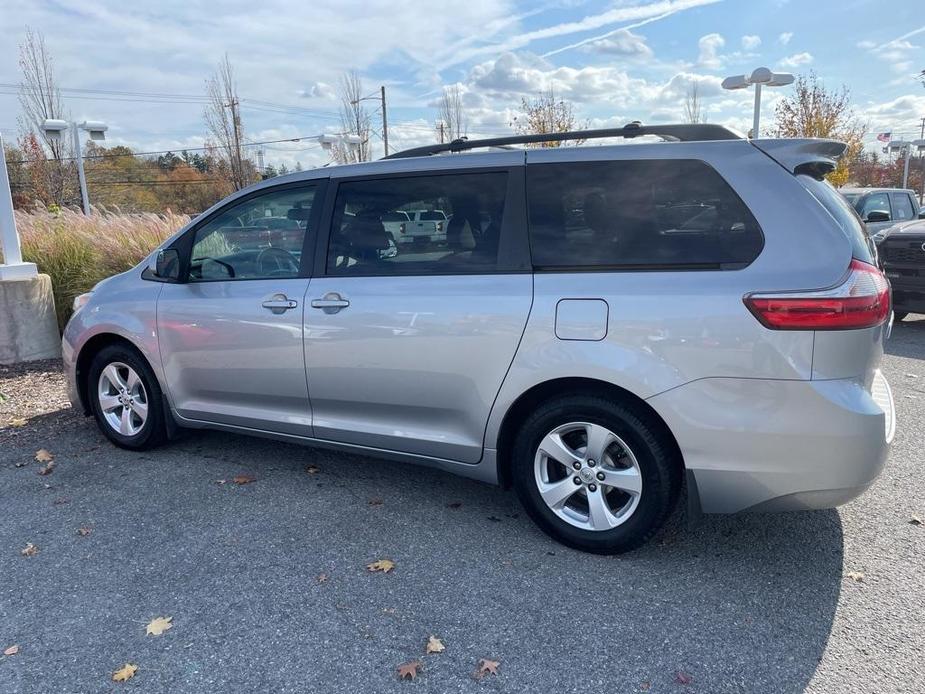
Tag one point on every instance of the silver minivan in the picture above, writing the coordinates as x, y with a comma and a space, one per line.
606, 329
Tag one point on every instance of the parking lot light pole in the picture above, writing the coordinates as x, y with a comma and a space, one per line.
762, 76
12, 266
53, 129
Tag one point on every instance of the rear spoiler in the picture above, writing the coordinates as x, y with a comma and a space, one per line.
812, 156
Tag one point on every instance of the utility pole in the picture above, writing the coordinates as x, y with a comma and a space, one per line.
385, 124
237, 171
440, 127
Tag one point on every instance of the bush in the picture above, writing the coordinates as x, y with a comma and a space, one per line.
77, 250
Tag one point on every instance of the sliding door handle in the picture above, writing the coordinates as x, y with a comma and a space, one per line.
332, 302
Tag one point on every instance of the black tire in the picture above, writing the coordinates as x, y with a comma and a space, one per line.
899, 315
153, 431
656, 454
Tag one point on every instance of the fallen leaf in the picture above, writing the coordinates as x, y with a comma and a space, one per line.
243, 479
60, 501
383, 565
313, 469
645, 686
17, 422
435, 645
486, 667
915, 520
159, 625
454, 504
43, 456
126, 672
389, 610
409, 670
322, 578
683, 678
83, 531
29, 550
856, 576
47, 468
375, 502
12, 650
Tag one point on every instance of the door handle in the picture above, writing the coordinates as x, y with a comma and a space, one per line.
280, 303
332, 302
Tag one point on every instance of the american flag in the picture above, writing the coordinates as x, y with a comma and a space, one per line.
884, 137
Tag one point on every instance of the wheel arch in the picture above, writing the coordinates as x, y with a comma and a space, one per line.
521, 408
85, 357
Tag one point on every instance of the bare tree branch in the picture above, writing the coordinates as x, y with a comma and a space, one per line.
222, 116
546, 114
354, 120
692, 111
453, 114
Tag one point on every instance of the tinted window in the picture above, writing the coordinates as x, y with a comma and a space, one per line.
875, 202
458, 228
259, 238
637, 214
843, 213
902, 206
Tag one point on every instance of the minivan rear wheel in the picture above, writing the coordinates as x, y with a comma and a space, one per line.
126, 398
596, 474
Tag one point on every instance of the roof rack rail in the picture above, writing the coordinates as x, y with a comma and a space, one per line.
678, 132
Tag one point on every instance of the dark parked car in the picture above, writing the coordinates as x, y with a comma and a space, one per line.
902, 255
881, 208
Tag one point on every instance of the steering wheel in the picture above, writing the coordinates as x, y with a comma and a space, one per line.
275, 262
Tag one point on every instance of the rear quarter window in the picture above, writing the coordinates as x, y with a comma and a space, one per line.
844, 214
643, 214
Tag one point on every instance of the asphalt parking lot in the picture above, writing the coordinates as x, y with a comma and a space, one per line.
267, 586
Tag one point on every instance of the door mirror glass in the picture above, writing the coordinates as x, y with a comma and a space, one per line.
877, 216
167, 264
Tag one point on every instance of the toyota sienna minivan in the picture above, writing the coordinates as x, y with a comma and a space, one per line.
606, 329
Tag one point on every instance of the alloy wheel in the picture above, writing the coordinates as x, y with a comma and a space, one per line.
123, 399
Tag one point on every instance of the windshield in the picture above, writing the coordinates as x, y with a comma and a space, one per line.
852, 198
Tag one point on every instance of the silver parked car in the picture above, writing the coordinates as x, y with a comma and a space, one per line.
606, 329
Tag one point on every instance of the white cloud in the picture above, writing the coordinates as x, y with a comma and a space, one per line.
710, 46
784, 38
318, 90
622, 42
750, 42
797, 59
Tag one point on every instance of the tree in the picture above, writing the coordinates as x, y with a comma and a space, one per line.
452, 113
222, 115
692, 112
40, 99
815, 111
354, 120
546, 114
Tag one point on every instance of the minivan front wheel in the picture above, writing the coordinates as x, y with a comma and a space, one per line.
126, 398
595, 474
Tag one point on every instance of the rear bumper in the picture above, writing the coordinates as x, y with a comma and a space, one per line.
755, 444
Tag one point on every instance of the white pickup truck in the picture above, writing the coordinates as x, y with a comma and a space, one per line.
420, 226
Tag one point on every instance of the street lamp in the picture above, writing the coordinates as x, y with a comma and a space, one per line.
54, 128
760, 77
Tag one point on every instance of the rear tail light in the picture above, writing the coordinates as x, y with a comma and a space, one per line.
861, 300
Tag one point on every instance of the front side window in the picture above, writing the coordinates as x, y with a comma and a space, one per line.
259, 238
448, 224
644, 213
875, 202
902, 206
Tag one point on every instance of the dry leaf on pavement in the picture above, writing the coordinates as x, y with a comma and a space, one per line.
243, 479
159, 625
83, 531
486, 667
375, 501
29, 550
683, 678
42, 455
313, 469
17, 422
126, 672
322, 578
409, 670
915, 520
12, 650
47, 468
435, 645
383, 565
856, 576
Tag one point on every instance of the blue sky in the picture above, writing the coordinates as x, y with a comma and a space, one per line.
616, 61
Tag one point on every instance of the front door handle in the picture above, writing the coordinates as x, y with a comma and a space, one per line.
332, 302
279, 303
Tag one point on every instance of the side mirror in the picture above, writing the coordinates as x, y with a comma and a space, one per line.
877, 216
166, 265
922, 214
